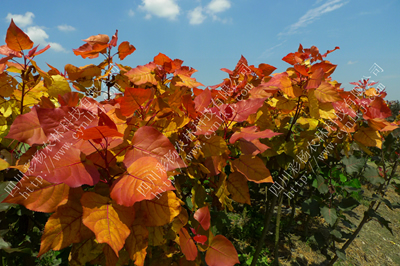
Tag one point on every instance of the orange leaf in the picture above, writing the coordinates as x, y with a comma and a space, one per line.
160, 59
158, 212
253, 168
16, 39
327, 93
133, 99
380, 124
237, 186
202, 215
187, 244
148, 141
143, 74
99, 132
136, 244
38, 194
106, 220
97, 39
221, 252
250, 134
125, 49
369, 137
65, 226
144, 181
316, 79
188, 82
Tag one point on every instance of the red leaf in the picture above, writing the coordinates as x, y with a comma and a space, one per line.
133, 99
5, 50
99, 132
114, 39
188, 103
125, 49
202, 215
69, 99
161, 59
230, 72
148, 141
203, 100
221, 252
142, 74
105, 120
250, 134
316, 79
200, 239
266, 69
144, 180
16, 39
27, 128
64, 164
42, 50
188, 247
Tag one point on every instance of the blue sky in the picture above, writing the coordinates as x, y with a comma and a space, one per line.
212, 34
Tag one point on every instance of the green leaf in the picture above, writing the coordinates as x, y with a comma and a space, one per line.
318, 239
321, 185
348, 204
329, 215
343, 178
341, 254
372, 175
353, 165
354, 183
311, 207
336, 234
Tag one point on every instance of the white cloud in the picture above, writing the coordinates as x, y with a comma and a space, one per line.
39, 36
57, 47
160, 8
314, 14
217, 6
65, 27
196, 16
131, 13
21, 20
268, 52
351, 62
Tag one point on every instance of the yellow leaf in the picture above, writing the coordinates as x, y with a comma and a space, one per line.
106, 219
84, 252
313, 104
368, 137
223, 193
327, 93
327, 111
159, 211
156, 236
3, 164
180, 220
59, 86
286, 86
238, 188
213, 146
64, 227
136, 244
253, 168
285, 104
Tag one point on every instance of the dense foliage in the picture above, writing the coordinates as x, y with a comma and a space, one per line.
145, 175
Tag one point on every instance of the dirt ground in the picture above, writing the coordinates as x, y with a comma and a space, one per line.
374, 245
